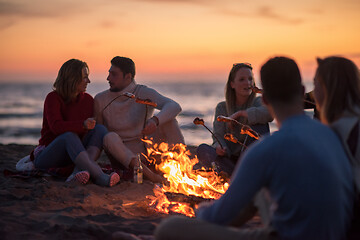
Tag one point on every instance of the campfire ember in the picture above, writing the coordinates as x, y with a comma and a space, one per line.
183, 181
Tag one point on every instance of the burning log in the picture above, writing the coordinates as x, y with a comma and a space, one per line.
183, 179
200, 121
191, 199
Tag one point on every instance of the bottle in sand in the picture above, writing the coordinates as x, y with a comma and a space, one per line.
214, 167
138, 172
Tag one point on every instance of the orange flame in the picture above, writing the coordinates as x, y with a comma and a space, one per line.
177, 166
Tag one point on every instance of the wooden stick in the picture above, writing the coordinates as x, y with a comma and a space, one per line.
200, 121
232, 138
245, 129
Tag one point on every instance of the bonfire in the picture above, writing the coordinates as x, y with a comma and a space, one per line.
186, 187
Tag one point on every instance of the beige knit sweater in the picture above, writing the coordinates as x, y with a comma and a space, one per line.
126, 117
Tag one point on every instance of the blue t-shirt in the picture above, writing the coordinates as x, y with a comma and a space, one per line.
308, 175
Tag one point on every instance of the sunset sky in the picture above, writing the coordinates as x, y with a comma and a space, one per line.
172, 40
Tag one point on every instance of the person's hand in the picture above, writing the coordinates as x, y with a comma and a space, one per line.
235, 116
220, 151
241, 113
150, 127
89, 123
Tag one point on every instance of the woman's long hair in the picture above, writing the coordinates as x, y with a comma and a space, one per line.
68, 78
230, 95
341, 80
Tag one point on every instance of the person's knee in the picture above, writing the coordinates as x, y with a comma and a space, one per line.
202, 148
68, 137
109, 139
168, 228
101, 130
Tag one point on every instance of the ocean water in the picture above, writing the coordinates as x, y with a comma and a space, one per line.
21, 106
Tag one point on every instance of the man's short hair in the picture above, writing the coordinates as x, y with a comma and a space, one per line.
125, 64
281, 80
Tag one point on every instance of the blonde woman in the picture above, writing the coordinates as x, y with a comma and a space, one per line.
242, 105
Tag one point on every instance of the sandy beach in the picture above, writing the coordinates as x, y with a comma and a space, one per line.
48, 208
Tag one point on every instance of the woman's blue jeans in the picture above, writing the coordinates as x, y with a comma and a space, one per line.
66, 147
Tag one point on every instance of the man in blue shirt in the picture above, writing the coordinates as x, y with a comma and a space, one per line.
302, 166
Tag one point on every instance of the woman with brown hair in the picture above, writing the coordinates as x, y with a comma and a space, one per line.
242, 105
337, 95
69, 134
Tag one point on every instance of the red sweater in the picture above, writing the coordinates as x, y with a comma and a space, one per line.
59, 117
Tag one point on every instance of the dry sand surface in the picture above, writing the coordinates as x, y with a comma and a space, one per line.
49, 208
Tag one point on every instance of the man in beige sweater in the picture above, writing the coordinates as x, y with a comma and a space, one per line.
128, 121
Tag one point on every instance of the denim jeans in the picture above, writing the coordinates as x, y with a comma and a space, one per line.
66, 147
207, 155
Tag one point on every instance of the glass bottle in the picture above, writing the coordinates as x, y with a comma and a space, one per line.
138, 172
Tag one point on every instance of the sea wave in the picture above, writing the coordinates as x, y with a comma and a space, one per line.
20, 115
191, 114
20, 131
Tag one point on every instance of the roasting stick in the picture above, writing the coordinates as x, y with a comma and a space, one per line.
199, 121
243, 145
307, 101
245, 129
260, 91
222, 118
126, 94
139, 100
146, 102
232, 138
131, 95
